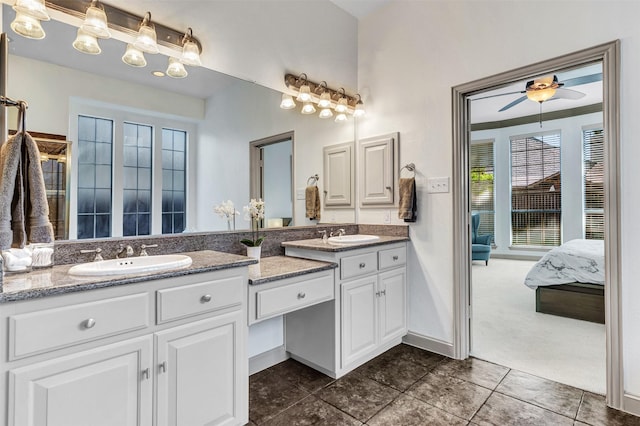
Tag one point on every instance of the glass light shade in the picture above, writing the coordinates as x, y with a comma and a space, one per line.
27, 26
95, 23
86, 43
33, 8
146, 40
325, 100
305, 93
287, 102
541, 95
325, 113
359, 111
341, 117
190, 54
134, 57
176, 69
308, 108
342, 107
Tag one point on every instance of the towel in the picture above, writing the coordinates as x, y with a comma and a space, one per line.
312, 202
407, 205
24, 210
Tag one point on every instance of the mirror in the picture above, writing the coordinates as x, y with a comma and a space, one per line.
219, 114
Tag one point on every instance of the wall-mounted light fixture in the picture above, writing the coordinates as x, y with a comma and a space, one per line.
327, 99
140, 34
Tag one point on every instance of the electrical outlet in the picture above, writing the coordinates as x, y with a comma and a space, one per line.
439, 184
387, 217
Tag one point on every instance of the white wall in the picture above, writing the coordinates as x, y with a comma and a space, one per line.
411, 53
571, 162
277, 161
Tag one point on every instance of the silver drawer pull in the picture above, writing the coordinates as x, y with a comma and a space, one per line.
206, 298
395, 258
362, 265
301, 295
377, 293
145, 373
383, 292
163, 367
90, 323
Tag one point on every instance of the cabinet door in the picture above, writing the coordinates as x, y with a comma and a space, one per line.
359, 315
106, 386
377, 170
392, 300
202, 373
338, 175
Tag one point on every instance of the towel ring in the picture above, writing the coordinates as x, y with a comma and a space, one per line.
313, 180
411, 167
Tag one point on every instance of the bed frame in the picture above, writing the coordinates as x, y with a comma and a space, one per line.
576, 300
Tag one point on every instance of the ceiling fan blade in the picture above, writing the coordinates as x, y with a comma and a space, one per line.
562, 93
512, 104
499, 94
585, 79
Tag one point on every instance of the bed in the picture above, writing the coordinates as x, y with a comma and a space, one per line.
569, 281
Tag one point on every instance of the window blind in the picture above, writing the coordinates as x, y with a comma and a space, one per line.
593, 174
481, 162
536, 209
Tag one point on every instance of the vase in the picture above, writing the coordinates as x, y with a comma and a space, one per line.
254, 252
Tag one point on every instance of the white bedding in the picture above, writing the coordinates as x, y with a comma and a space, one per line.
574, 261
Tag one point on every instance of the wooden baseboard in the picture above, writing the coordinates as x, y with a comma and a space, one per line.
267, 359
429, 344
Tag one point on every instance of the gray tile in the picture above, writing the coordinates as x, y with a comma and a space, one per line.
415, 355
594, 411
408, 411
358, 396
506, 411
312, 411
450, 394
270, 394
577, 423
473, 370
553, 396
394, 371
304, 377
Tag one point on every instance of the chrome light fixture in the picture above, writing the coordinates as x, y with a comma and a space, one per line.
304, 93
147, 40
308, 108
95, 21
27, 26
33, 8
190, 50
325, 97
287, 102
86, 43
325, 113
134, 57
176, 69
342, 105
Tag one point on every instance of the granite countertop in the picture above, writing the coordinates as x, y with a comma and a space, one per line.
279, 267
318, 244
56, 280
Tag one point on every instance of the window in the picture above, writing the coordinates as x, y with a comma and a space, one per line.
482, 180
174, 143
593, 173
536, 209
137, 158
95, 142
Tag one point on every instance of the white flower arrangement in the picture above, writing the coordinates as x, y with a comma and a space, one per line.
254, 212
227, 211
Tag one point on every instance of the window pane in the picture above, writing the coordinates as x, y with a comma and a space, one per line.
482, 181
173, 180
129, 202
86, 152
85, 226
129, 225
593, 173
103, 225
137, 178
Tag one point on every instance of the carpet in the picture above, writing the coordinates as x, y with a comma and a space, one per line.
507, 330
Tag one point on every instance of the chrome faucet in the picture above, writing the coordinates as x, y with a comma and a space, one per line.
339, 233
128, 250
144, 247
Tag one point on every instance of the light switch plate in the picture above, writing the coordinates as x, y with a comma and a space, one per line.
438, 184
300, 194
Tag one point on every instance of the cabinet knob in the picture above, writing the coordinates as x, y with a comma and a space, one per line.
388, 188
395, 258
377, 294
301, 295
90, 323
206, 298
162, 367
145, 373
383, 292
362, 265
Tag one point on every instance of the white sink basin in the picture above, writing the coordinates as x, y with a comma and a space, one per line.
353, 239
131, 265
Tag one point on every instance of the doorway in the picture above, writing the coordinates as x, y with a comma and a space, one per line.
271, 178
609, 55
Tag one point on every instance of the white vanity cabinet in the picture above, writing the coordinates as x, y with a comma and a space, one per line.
367, 318
161, 352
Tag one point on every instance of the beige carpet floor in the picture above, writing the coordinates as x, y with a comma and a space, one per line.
507, 330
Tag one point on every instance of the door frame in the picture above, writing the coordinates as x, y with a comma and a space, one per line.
609, 55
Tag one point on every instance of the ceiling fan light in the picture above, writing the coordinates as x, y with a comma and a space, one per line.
287, 102
305, 93
27, 26
308, 108
86, 43
134, 57
95, 21
325, 113
34, 8
342, 106
176, 69
541, 95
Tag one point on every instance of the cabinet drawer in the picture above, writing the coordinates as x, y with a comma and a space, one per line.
194, 299
392, 257
50, 329
287, 298
361, 264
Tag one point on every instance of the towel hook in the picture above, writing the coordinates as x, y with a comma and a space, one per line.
411, 167
313, 179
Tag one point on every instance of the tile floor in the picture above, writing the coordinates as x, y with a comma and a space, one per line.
408, 386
